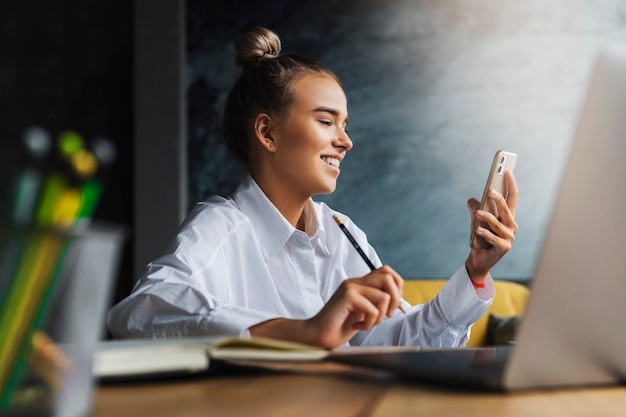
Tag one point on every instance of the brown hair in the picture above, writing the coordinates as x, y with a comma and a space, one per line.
263, 87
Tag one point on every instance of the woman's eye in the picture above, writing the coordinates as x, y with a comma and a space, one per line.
326, 122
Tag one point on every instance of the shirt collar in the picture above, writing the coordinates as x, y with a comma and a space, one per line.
319, 236
272, 229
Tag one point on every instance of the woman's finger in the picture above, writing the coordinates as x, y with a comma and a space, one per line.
505, 216
371, 302
513, 191
388, 281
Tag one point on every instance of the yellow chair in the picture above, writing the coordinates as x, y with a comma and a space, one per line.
510, 300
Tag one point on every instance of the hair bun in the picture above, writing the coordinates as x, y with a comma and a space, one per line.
257, 44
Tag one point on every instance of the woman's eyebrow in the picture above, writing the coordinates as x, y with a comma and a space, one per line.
323, 109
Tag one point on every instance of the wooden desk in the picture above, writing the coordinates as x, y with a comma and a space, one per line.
336, 393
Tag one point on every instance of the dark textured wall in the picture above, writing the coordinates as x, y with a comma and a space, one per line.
67, 65
434, 89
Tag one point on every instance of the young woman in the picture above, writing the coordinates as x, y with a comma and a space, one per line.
269, 261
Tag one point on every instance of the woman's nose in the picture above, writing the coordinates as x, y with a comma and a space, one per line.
344, 141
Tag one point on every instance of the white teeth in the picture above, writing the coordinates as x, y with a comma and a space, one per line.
332, 161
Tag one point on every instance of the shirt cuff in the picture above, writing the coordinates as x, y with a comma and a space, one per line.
460, 302
232, 319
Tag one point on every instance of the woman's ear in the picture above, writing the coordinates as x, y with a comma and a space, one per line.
263, 127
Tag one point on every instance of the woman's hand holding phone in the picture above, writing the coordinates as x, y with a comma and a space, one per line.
493, 225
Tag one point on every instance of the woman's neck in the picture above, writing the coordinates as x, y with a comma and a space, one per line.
288, 203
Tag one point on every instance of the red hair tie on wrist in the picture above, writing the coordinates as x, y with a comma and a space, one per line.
478, 284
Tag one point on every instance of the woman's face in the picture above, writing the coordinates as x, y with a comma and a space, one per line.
312, 141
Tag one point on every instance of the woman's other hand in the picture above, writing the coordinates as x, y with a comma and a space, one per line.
358, 304
499, 231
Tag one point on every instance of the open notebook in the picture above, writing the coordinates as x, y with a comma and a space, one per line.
572, 332
148, 358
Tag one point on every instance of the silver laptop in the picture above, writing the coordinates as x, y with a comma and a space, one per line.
572, 333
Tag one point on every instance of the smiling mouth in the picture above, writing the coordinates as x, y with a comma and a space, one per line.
331, 161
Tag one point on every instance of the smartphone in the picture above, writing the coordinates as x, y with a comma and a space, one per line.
502, 161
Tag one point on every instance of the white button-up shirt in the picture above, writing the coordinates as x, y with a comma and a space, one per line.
237, 262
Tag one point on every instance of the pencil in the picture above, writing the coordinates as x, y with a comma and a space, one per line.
357, 247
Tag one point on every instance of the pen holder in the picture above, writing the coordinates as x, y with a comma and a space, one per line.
54, 291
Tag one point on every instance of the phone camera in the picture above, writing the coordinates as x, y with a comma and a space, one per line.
501, 165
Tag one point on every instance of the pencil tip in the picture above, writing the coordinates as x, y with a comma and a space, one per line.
337, 219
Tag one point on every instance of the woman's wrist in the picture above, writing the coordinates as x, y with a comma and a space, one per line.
476, 275
284, 329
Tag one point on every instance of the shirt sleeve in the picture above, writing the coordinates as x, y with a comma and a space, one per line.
167, 310
194, 290
445, 321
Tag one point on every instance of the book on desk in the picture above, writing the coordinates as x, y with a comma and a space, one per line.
150, 358
137, 359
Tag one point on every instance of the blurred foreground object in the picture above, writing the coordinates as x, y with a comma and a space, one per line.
57, 268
